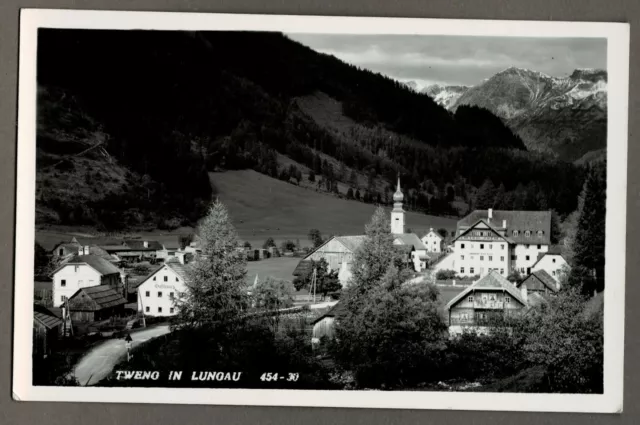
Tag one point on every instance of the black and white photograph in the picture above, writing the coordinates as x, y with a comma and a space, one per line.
315, 211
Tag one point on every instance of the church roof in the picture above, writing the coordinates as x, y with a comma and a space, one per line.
491, 281
410, 239
521, 221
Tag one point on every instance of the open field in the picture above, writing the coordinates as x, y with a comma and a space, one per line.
263, 207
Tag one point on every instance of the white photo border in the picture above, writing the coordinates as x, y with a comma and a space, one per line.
617, 35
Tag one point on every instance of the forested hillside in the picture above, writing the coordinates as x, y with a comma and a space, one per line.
168, 107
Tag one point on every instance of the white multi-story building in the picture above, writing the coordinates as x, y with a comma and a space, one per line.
84, 271
552, 262
501, 240
432, 241
160, 292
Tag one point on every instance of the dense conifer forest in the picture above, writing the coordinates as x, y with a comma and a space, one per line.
176, 105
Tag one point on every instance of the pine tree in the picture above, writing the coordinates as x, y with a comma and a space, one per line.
216, 292
589, 241
350, 193
499, 200
486, 195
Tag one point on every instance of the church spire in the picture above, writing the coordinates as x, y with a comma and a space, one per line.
397, 214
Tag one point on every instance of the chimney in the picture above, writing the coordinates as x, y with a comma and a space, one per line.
146, 244
86, 250
524, 292
490, 214
504, 224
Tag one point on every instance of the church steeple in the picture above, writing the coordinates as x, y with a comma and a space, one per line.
397, 214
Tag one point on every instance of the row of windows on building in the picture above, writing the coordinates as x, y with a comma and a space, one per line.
491, 246
166, 279
472, 270
148, 309
527, 233
490, 258
171, 294
507, 300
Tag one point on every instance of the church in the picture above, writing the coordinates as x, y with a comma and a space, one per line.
338, 251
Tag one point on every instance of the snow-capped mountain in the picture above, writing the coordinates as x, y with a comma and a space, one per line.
565, 116
445, 95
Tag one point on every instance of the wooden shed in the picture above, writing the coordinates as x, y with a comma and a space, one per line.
324, 326
96, 303
47, 328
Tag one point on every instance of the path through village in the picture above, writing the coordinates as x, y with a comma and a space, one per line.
98, 363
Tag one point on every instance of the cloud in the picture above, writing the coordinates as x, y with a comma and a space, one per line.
458, 59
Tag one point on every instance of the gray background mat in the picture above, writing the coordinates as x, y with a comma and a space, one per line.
12, 412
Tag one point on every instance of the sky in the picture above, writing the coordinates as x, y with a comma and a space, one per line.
458, 60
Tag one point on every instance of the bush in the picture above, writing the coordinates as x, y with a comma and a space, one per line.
445, 274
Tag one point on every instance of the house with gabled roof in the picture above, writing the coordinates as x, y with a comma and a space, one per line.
552, 262
83, 271
479, 305
433, 241
160, 293
539, 281
505, 241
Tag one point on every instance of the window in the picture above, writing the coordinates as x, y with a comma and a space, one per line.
171, 295
539, 246
501, 271
154, 278
527, 234
490, 246
461, 269
553, 272
527, 258
166, 278
502, 246
147, 294
540, 233
553, 260
514, 257
63, 298
501, 258
171, 310
147, 309
482, 258
471, 246
462, 257
470, 299
159, 309
471, 270
490, 258
484, 298
481, 246
515, 233
63, 283
177, 280
507, 300
159, 294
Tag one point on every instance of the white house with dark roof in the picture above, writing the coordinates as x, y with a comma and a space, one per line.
552, 262
501, 240
433, 241
159, 294
84, 271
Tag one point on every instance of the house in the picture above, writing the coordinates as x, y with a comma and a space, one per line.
552, 262
324, 326
433, 241
489, 298
161, 291
47, 329
338, 251
171, 250
96, 303
501, 240
540, 282
83, 271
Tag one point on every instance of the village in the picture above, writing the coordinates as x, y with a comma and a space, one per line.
497, 263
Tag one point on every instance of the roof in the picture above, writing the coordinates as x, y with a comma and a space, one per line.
138, 245
103, 295
438, 235
67, 245
179, 268
489, 226
516, 220
410, 239
170, 246
351, 242
337, 309
303, 267
491, 281
535, 299
101, 265
553, 250
544, 277
98, 240
403, 248
44, 316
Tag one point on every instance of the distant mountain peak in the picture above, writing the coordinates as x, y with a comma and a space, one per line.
444, 95
589, 74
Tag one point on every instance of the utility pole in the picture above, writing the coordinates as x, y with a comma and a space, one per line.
127, 342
